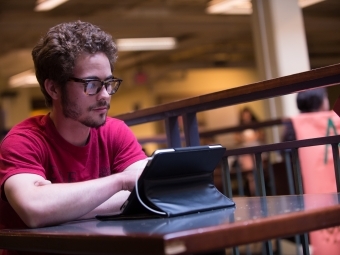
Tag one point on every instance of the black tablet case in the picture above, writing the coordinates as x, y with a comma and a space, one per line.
172, 224
176, 183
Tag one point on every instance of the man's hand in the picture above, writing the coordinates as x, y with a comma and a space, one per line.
131, 174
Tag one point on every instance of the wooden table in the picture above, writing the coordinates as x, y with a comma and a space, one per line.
254, 219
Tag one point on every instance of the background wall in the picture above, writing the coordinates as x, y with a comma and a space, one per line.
183, 84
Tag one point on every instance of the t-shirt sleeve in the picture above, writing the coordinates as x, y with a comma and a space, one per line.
126, 147
20, 154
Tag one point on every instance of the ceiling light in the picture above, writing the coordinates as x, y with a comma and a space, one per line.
24, 79
141, 44
305, 3
229, 7
46, 5
242, 6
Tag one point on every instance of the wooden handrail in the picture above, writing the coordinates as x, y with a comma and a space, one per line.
239, 128
161, 138
320, 77
187, 108
284, 145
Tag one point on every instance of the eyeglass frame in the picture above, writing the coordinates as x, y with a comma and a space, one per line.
103, 82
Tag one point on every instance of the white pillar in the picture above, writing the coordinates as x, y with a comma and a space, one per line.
281, 48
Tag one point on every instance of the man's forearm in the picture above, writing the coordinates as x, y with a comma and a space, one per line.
40, 203
57, 203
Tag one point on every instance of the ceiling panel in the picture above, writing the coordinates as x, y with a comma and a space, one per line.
204, 40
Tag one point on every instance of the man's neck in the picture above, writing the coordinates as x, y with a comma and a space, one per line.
72, 131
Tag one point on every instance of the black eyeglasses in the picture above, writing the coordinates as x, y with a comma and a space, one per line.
93, 86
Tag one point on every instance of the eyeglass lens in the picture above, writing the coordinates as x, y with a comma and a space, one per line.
93, 87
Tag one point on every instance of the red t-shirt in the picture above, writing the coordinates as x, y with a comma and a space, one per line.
35, 146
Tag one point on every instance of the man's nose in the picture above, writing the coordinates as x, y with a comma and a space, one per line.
103, 92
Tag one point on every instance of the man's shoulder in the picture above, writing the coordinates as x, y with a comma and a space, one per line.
112, 128
113, 123
29, 126
35, 121
113, 120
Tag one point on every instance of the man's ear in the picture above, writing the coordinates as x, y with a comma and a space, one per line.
51, 88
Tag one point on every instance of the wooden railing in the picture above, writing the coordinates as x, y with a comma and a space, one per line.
209, 133
188, 108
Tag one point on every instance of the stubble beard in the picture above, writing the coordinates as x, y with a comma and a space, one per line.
73, 111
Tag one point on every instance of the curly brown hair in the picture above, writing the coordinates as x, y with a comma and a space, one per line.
55, 54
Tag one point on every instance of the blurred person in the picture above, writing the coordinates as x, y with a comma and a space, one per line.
308, 101
247, 138
316, 162
75, 162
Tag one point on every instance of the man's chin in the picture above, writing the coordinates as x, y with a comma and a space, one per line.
94, 124
101, 124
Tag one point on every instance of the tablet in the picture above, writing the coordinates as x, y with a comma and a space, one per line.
173, 178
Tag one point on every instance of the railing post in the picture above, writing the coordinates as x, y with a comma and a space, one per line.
235, 249
335, 150
226, 181
259, 170
267, 248
239, 178
192, 137
289, 173
271, 177
305, 244
297, 172
299, 190
173, 135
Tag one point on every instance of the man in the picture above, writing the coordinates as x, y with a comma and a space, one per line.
75, 162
